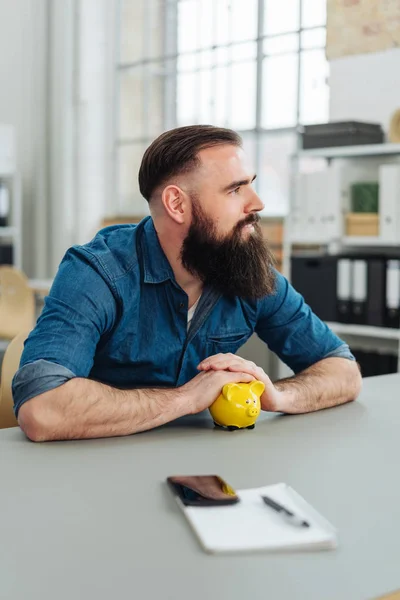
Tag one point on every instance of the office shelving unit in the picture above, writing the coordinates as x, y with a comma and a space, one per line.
10, 176
382, 338
378, 152
12, 232
374, 150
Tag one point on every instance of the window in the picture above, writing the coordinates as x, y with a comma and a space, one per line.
258, 67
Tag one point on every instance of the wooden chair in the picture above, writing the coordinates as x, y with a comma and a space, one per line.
17, 303
392, 596
9, 367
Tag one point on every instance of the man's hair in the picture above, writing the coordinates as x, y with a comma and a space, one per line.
176, 151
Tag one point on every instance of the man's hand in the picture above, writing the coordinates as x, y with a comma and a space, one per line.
203, 389
271, 399
329, 382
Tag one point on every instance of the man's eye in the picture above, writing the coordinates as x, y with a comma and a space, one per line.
236, 190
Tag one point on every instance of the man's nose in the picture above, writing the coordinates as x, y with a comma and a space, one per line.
255, 203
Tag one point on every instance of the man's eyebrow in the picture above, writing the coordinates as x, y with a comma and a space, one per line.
238, 183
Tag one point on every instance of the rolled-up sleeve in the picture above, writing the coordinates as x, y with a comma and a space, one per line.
80, 308
36, 378
292, 331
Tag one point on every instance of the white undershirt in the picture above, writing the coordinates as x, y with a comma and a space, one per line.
191, 311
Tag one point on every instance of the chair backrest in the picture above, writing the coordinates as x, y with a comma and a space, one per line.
392, 596
17, 303
9, 367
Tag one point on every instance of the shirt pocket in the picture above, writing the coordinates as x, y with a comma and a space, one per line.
225, 343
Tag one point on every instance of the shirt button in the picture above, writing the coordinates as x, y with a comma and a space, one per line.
181, 305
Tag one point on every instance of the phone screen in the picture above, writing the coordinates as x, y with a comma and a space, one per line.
202, 490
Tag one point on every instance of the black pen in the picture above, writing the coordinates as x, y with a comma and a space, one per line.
286, 514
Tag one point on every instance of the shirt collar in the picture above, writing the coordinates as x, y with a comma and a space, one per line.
156, 267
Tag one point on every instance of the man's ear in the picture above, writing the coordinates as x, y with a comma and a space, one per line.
175, 202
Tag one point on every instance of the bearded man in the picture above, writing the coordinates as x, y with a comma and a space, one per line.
142, 323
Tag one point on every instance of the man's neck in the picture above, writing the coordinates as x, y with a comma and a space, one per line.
172, 246
190, 284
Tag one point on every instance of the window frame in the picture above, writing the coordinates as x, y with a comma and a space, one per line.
169, 59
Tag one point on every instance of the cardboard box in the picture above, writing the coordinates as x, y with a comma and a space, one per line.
362, 224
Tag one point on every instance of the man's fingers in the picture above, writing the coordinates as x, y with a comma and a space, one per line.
224, 362
229, 376
218, 364
205, 364
238, 377
247, 367
235, 366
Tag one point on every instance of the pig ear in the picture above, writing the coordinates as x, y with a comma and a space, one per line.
257, 387
228, 389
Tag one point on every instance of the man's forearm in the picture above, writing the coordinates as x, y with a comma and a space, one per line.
330, 382
82, 408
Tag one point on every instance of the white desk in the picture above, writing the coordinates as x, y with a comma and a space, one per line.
93, 519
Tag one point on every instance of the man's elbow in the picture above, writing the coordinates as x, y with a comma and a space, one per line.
356, 381
36, 421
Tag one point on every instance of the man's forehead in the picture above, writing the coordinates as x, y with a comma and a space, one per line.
226, 159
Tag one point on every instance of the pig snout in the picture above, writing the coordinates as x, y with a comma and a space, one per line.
252, 411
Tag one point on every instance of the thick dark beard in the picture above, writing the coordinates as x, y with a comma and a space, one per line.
232, 265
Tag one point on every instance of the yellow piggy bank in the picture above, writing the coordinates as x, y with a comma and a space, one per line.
238, 406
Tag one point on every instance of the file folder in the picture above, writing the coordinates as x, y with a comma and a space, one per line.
392, 294
359, 292
376, 282
343, 290
314, 277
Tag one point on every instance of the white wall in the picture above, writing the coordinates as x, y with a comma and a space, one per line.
23, 103
365, 87
56, 82
95, 114
81, 91
61, 157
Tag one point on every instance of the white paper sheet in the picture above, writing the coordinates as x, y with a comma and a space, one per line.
252, 525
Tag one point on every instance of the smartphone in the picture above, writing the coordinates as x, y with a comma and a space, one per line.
202, 490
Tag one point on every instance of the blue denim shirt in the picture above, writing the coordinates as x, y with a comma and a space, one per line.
116, 314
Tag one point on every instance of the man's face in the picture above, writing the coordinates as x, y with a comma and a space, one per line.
224, 246
223, 186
